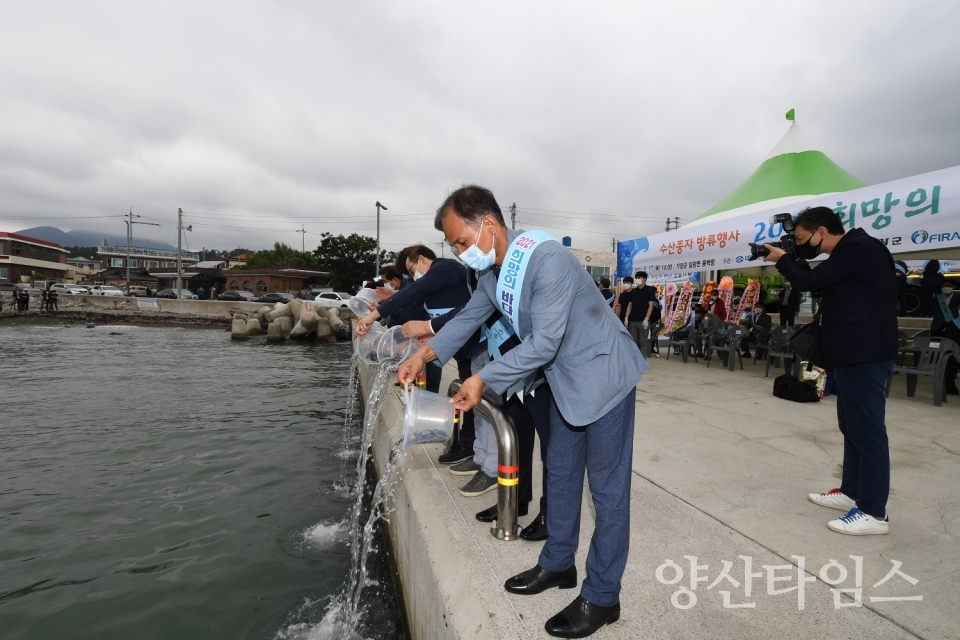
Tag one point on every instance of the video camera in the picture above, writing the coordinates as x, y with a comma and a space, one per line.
787, 242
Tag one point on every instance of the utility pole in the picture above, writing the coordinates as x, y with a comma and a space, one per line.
130, 222
379, 206
303, 242
180, 229
129, 243
676, 223
613, 245
513, 216
668, 225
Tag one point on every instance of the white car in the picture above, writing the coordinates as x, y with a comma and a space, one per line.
332, 299
105, 290
71, 289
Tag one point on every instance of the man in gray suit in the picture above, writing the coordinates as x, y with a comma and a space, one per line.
593, 367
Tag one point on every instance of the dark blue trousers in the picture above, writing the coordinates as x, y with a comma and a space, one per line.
604, 449
861, 407
531, 418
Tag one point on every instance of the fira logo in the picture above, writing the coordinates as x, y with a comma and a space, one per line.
922, 237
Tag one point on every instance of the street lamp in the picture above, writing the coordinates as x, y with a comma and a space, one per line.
130, 222
379, 206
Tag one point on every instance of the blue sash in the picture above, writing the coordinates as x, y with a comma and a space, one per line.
513, 271
945, 310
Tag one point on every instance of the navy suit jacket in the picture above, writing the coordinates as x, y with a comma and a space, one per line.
859, 300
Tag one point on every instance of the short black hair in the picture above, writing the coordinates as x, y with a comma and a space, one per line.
628, 279
640, 274
813, 218
390, 272
605, 282
470, 203
417, 250
759, 303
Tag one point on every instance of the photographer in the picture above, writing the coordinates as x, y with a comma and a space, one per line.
859, 344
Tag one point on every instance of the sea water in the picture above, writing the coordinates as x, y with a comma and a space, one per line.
171, 483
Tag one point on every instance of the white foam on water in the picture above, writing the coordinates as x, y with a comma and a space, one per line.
334, 626
324, 534
347, 454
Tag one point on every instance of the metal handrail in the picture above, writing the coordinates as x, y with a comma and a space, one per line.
505, 527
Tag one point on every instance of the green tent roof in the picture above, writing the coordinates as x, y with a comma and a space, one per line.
793, 168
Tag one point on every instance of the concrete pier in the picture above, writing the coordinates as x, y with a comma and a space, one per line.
721, 474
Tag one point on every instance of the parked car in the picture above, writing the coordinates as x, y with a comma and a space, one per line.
136, 290
172, 294
8, 286
28, 288
105, 290
237, 296
271, 298
70, 289
332, 299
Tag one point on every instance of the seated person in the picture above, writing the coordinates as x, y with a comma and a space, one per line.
946, 324
758, 325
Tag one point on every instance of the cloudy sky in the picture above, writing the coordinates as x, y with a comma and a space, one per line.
598, 120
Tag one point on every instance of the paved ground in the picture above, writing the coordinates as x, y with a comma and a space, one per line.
721, 473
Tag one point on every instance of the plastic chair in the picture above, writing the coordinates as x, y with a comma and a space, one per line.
935, 354
909, 348
762, 344
655, 330
679, 342
727, 342
779, 349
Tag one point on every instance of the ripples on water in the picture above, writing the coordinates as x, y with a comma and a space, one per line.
170, 483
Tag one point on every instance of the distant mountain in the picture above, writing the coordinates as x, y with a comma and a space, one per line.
90, 238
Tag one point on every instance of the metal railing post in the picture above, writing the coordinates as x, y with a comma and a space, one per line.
505, 527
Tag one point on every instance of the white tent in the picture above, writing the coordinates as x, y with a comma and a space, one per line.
916, 217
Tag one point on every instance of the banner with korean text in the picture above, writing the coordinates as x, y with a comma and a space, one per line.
918, 216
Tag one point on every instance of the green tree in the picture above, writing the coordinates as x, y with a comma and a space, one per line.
281, 255
349, 259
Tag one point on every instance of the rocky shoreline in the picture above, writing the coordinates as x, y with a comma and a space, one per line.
107, 317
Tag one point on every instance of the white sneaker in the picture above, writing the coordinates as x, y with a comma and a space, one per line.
833, 499
858, 523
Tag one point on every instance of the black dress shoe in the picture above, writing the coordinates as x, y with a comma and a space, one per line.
538, 580
489, 515
536, 530
456, 454
581, 619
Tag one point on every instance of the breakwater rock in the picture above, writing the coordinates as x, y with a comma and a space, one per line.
296, 320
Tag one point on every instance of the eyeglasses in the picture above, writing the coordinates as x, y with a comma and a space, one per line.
453, 249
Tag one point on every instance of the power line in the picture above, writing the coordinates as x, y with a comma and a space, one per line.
613, 216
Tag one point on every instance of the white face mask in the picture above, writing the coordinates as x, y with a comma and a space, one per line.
417, 275
389, 286
627, 286
476, 259
947, 291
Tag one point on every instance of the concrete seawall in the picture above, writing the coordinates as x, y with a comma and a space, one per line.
445, 581
721, 470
